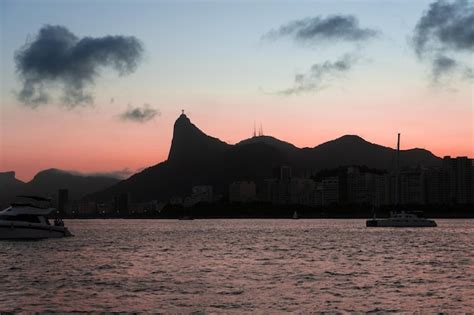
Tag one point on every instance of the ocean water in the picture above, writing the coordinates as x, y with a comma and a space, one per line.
266, 266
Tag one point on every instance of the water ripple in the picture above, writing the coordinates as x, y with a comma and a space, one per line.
242, 266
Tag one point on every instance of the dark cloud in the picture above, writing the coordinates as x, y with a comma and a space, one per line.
331, 28
443, 65
57, 57
446, 27
320, 75
469, 73
322, 30
140, 114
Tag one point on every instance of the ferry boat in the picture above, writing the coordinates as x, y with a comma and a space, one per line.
30, 221
402, 219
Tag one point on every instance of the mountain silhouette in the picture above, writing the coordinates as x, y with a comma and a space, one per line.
353, 150
271, 141
48, 182
10, 186
198, 159
189, 141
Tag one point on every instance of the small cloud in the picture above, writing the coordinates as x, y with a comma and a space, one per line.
140, 114
443, 65
58, 58
320, 74
317, 29
469, 73
119, 174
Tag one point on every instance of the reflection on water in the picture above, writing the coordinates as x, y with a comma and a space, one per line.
242, 266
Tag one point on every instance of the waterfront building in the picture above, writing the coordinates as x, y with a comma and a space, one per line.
242, 191
330, 190
201, 193
63, 201
122, 203
458, 180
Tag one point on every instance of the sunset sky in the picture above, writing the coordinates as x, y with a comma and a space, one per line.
308, 71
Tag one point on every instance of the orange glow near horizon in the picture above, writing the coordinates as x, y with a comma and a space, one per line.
97, 143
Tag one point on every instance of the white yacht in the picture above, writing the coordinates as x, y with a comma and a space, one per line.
30, 221
402, 219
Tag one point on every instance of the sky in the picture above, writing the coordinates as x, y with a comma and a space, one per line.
307, 71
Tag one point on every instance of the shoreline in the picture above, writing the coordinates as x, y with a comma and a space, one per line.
244, 218
268, 211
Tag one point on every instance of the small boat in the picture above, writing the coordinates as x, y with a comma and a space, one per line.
402, 219
29, 221
186, 217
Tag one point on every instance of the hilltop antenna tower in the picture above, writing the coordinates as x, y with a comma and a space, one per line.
254, 129
260, 131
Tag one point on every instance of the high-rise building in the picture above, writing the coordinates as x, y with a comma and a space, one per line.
63, 200
360, 186
433, 183
457, 180
283, 173
122, 203
330, 190
303, 191
242, 191
412, 187
201, 193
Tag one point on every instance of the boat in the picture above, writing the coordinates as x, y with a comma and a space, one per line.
185, 217
30, 221
402, 219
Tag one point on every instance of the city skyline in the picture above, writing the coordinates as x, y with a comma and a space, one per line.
370, 77
262, 170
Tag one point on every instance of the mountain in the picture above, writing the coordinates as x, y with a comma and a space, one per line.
353, 150
271, 141
8, 179
198, 159
189, 141
48, 182
10, 186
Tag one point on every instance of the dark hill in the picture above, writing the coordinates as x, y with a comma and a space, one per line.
190, 143
10, 186
271, 141
47, 183
353, 150
198, 159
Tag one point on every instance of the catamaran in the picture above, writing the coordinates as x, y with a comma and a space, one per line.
401, 218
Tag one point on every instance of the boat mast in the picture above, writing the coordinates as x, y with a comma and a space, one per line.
397, 174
